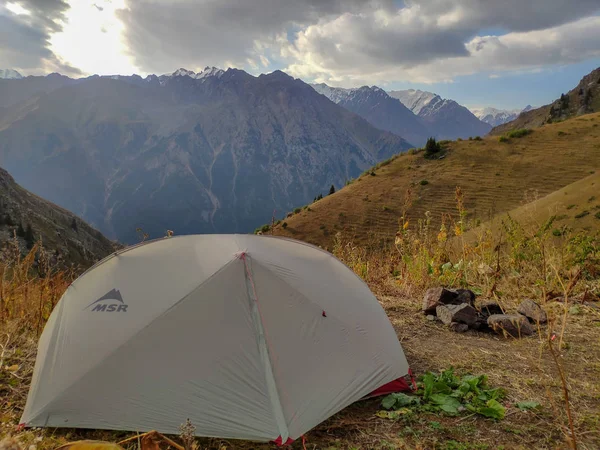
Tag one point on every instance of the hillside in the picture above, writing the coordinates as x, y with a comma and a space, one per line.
445, 117
494, 177
193, 153
583, 99
62, 233
575, 207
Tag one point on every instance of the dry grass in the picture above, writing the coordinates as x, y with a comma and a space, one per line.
495, 177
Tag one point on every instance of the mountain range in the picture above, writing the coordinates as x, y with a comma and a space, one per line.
414, 115
497, 117
445, 117
215, 151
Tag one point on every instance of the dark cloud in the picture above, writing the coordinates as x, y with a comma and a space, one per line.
335, 36
24, 38
164, 35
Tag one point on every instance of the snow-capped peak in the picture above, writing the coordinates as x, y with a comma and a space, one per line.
209, 72
184, 73
10, 74
415, 99
496, 117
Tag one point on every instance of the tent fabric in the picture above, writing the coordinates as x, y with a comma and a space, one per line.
250, 337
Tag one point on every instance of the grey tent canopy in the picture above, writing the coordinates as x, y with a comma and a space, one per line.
250, 337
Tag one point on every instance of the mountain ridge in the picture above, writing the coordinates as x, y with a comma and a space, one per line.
186, 154
446, 117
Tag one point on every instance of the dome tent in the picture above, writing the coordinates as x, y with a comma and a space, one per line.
250, 337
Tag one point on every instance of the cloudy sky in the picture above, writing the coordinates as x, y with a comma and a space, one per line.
503, 53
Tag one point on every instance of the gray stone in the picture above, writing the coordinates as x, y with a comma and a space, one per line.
532, 311
459, 327
437, 296
430, 317
490, 307
514, 325
465, 296
464, 313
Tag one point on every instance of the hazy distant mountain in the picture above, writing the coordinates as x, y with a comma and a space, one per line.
446, 118
64, 235
381, 110
211, 152
10, 74
16, 90
583, 99
497, 117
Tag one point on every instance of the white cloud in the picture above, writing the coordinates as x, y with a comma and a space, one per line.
406, 46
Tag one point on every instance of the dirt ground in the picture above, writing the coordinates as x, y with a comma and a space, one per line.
524, 368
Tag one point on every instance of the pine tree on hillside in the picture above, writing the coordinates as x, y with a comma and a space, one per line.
29, 238
74, 224
20, 230
8, 220
332, 189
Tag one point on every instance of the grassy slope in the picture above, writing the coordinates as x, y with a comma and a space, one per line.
494, 177
568, 206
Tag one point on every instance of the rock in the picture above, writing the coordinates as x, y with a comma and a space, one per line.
532, 311
465, 296
514, 325
442, 296
490, 307
430, 317
437, 296
459, 327
463, 313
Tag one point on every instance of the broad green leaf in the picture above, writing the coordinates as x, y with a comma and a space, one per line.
523, 406
493, 409
446, 403
441, 388
388, 402
428, 382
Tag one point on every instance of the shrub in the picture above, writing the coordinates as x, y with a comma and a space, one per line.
432, 147
386, 208
423, 182
284, 225
332, 189
571, 206
477, 138
562, 133
597, 215
29, 238
519, 133
581, 214
297, 210
322, 227
74, 224
372, 173
458, 139
503, 139
557, 232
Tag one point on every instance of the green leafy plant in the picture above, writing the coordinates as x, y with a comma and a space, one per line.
519, 133
503, 139
423, 182
581, 214
450, 394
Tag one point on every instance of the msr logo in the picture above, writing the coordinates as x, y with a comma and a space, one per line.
106, 303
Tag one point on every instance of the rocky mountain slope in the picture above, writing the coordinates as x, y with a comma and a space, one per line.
494, 177
381, 110
445, 117
496, 117
65, 236
10, 74
584, 99
193, 153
